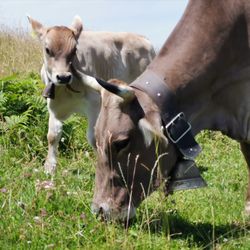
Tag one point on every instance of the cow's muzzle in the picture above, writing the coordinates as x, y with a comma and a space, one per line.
106, 213
64, 78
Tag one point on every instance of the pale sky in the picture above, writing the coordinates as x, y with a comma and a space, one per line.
154, 19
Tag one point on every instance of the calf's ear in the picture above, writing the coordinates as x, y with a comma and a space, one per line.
38, 29
77, 26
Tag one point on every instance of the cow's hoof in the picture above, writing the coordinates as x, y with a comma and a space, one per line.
49, 168
247, 208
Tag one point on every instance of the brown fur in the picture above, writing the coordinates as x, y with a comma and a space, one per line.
206, 63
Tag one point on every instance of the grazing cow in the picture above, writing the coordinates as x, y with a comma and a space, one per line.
199, 80
71, 56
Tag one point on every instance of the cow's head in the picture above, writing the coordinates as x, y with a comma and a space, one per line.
130, 146
59, 48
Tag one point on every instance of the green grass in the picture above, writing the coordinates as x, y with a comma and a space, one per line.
58, 217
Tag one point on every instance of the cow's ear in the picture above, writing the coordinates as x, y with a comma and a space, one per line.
77, 26
38, 29
151, 132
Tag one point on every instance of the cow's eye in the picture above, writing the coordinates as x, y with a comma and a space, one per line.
48, 52
122, 144
74, 51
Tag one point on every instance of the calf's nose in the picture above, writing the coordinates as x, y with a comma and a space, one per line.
63, 78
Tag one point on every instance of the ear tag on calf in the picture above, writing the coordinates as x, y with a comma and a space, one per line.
49, 91
185, 175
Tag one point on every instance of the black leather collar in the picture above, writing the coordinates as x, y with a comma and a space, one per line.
176, 128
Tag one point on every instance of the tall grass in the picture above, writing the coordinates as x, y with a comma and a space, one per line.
41, 212
19, 52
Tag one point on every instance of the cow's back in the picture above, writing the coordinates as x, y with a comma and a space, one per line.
119, 55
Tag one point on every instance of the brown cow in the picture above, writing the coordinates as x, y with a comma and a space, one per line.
71, 57
203, 70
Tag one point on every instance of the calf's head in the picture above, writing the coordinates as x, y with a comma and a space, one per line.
59, 48
130, 148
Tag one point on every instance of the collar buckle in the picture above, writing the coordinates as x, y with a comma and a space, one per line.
177, 128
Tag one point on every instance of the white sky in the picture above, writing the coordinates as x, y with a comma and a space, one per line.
153, 18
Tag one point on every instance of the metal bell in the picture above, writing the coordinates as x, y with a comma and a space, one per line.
49, 91
185, 175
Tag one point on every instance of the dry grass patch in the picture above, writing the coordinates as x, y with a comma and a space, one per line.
19, 52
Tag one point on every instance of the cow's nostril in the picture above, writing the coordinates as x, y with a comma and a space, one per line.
101, 212
63, 78
103, 215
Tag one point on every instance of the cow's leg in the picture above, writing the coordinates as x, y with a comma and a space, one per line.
245, 148
92, 112
53, 136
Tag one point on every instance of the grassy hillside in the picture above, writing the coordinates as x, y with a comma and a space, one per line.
40, 212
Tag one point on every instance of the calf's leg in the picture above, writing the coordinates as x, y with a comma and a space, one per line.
53, 136
92, 112
245, 148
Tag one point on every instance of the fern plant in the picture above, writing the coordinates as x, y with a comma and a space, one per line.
23, 120
3, 100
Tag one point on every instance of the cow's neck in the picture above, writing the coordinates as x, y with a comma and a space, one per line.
209, 43
194, 45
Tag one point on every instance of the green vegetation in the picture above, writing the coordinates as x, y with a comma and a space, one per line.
41, 212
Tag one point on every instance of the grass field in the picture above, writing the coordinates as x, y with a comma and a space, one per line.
41, 212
